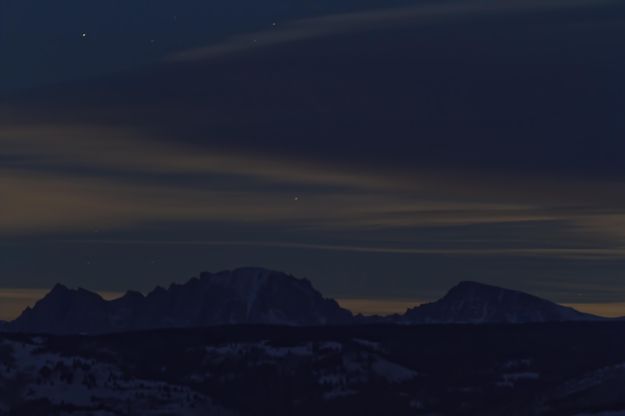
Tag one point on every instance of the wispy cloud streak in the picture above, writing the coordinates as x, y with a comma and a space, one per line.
376, 19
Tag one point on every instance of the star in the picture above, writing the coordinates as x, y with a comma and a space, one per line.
84, 35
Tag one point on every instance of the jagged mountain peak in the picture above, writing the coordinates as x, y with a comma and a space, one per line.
61, 294
133, 294
241, 296
251, 282
159, 290
59, 288
130, 295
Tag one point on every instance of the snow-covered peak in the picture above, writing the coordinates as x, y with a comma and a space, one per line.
473, 302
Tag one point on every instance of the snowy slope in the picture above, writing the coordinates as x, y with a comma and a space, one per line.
35, 379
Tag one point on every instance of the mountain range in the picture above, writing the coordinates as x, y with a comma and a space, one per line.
261, 296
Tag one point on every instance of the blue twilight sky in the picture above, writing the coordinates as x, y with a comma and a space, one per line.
383, 149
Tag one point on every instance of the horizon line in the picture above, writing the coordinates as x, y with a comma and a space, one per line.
13, 301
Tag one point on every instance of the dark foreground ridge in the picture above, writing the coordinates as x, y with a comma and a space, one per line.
260, 296
549, 369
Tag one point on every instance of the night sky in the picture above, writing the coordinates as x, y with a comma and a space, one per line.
383, 149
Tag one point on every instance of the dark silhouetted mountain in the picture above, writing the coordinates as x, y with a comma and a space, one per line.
64, 310
260, 296
242, 296
471, 302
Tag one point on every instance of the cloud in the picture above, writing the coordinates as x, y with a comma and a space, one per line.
45, 202
371, 20
579, 253
127, 150
187, 144
74, 178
